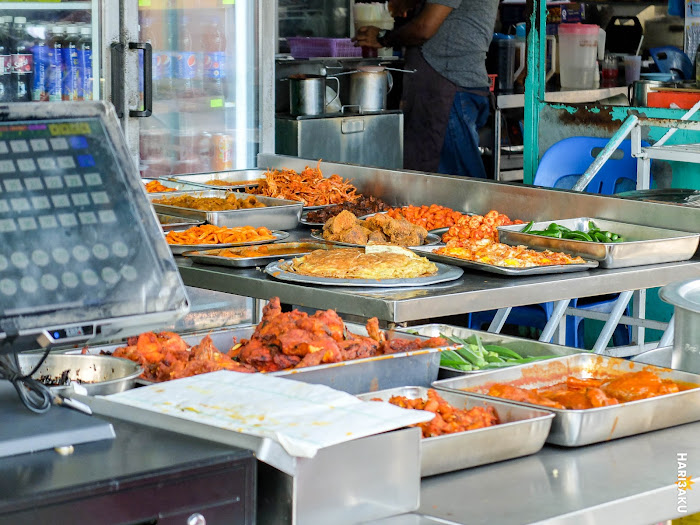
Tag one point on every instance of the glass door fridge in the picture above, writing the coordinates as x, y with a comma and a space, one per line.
197, 78
51, 51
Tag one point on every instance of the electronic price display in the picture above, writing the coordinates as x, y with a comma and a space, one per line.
81, 250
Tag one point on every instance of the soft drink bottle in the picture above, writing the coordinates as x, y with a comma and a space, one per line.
71, 69
214, 42
5, 62
189, 61
85, 91
21, 57
55, 86
40, 57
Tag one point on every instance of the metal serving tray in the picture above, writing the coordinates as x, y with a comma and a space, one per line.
525, 347
574, 428
430, 240
179, 249
522, 432
501, 270
445, 273
169, 183
355, 377
173, 222
212, 257
280, 214
246, 178
662, 357
644, 244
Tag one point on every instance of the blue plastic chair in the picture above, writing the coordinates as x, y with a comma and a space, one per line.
670, 59
561, 166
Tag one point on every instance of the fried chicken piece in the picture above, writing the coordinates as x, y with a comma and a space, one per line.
355, 235
341, 222
638, 385
373, 330
377, 237
358, 348
378, 221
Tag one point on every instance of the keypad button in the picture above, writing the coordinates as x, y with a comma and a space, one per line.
80, 199
47, 163
87, 218
4, 206
60, 255
28, 284
3, 147
67, 220
81, 253
100, 251
93, 179
27, 223
120, 249
7, 225
41, 203
129, 272
8, 287
65, 162
54, 182
26, 165
3, 263
20, 205
107, 216
19, 146
109, 275
78, 142
49, 282
86, 161
40, 257
20, 260
48, 221
90, 277
60, 201
99, 197
59, 143
13, 185
69, 279
7, 166
39, 145
73, 181
33, 184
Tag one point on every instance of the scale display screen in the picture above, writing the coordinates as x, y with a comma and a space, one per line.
80, 242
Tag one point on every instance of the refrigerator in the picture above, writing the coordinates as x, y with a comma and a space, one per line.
192, 81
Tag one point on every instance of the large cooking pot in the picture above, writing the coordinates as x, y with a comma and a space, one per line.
307, 94
638, 90
685, 298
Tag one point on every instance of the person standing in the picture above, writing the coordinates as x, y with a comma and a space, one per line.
446, 100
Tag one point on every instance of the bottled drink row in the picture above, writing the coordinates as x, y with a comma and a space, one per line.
189, 53
44, 61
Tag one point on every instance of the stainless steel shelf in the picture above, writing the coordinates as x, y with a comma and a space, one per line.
564, 97
677, 152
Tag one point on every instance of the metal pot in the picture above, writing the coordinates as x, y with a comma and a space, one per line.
307, 94
638, 90
685, 297
369, 88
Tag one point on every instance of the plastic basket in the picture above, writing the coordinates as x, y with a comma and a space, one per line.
311, 47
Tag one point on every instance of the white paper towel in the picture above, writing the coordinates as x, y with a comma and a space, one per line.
302, 418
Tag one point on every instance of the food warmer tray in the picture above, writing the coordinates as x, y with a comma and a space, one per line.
173, 222
646, 244
522, 432
575, 428
212, 257
430, 240
445, 273
247, 178
419, 367
170, 183
179, 249
280, 214
525, 347
502, 270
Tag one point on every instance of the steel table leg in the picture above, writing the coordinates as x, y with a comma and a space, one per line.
639, 305
553, 322
612, 322
499, 320
497, 116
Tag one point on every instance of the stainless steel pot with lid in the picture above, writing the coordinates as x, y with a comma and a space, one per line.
307, 94
369, 86
685, 298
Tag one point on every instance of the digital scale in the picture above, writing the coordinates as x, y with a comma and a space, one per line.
82, 253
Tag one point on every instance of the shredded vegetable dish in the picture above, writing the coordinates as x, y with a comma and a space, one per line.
210, 234
155, 186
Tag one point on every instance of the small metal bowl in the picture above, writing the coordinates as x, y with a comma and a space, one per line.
99, 374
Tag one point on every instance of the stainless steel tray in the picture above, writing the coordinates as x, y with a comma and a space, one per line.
358, 376
574, 428
179, 249
305, 222
662, 357
502, 270
247, 178
169, 183
279, 214
524, 347
521, 432
317, 234
643, 244
173, 222
445, 273
212, 257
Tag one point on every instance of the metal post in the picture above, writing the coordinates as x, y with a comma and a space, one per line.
612, 322
615, 141
553, 322
499, 320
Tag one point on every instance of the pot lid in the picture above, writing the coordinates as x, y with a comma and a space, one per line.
684, 294
370, 69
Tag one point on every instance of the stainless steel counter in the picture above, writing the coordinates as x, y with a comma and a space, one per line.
631, 480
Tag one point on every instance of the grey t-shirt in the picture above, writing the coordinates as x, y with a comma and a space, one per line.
458, 50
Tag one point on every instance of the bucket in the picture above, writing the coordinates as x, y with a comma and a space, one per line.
578, 53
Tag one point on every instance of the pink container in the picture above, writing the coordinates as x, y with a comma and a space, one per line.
310, 47
578, 52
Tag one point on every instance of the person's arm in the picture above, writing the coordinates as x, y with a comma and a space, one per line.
416, 32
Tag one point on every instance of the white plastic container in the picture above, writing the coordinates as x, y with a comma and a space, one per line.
578, 52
